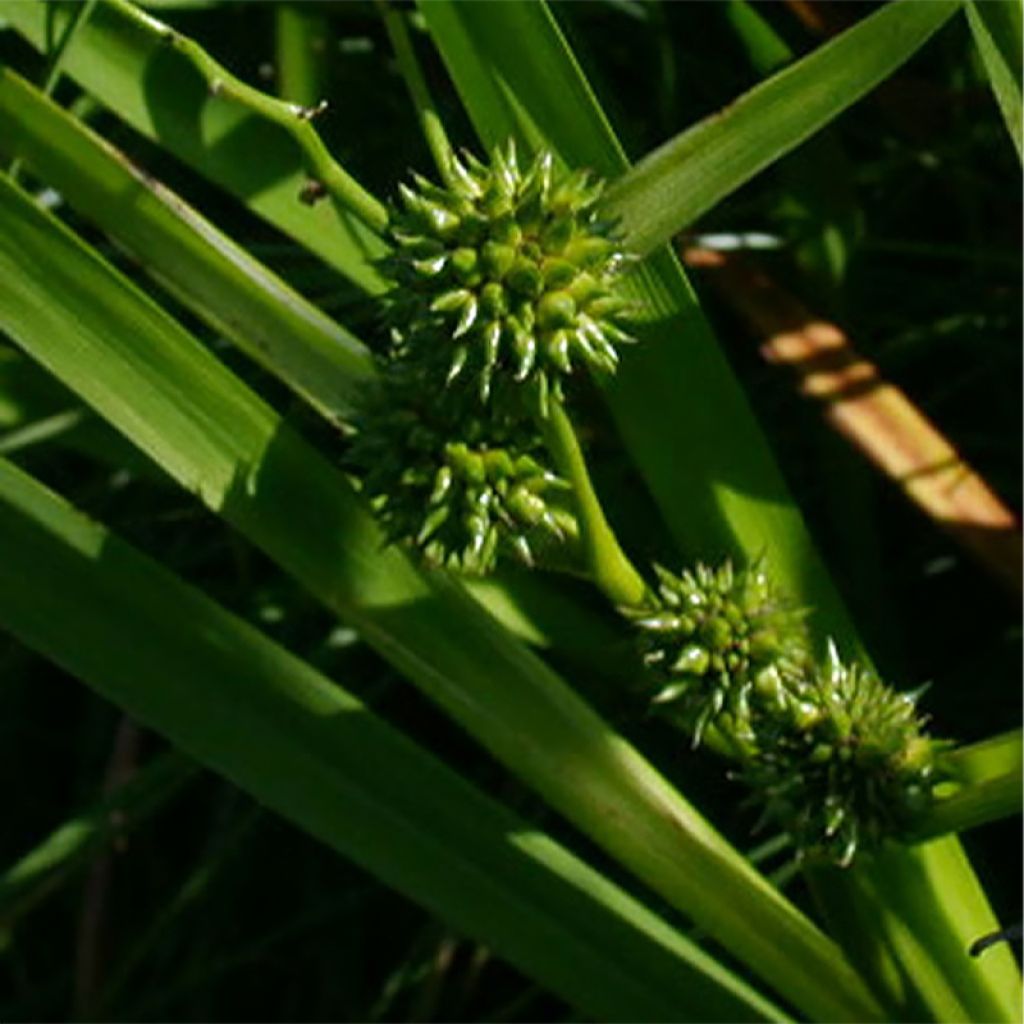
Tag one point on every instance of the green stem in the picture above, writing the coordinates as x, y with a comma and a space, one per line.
987, 776
300, 36
612, 571
884, 912
984, 761
56, 63
426, 111
292, 118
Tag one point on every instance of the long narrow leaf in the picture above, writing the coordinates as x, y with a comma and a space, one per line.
817, 177
988, 780
689, 174
206, 270
996, 27
126, 63
145, 374
71, 845
302, 745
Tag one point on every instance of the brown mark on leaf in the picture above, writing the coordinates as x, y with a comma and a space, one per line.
312, 192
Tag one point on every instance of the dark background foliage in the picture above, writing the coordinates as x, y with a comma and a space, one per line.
215, 909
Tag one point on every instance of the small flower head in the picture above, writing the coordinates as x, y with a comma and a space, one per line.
504, 272
854, 773
463, 489
722, 640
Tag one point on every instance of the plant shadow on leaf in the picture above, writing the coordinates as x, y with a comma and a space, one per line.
197, 124
223, 137
272, 725
521, 712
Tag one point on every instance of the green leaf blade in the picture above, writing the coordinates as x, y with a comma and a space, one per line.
124, 61
300, 744
996, 26
672, 186
203, 268
158, 386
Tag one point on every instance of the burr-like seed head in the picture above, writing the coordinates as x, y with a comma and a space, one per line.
854, 774
463, 488
722, 642
504, 272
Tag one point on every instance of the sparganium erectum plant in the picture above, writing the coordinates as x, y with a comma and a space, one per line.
466, 484
504, 272
719, 640
502, 286
851, 769
501, 292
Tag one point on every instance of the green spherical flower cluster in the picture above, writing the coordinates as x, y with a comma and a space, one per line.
855, 772
501, 284
463, 489
720, 640
504, 272
834, 756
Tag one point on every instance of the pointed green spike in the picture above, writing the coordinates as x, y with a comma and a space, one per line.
434, 520
693, 659
443, 481
450, 301
558, 350
467, 318
458, 362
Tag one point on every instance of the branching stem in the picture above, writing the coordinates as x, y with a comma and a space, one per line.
326, 175
612, 571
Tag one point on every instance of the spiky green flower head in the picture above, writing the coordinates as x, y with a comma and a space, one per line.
463, 489
722, 642
504, 272
856, 771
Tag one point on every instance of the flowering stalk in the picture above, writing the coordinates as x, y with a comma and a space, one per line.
503, 283
611, 569
430, 121
832, 755
502, 287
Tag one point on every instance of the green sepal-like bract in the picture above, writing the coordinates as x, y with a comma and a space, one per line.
854, 773
463, 487
720, 642
504, 273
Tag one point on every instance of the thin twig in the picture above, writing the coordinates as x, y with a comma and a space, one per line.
79, 16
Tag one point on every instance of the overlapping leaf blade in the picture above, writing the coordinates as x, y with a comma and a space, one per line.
127, 65
123, 355
672, 186
689, 429
997, 29
199, 264
302, 745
